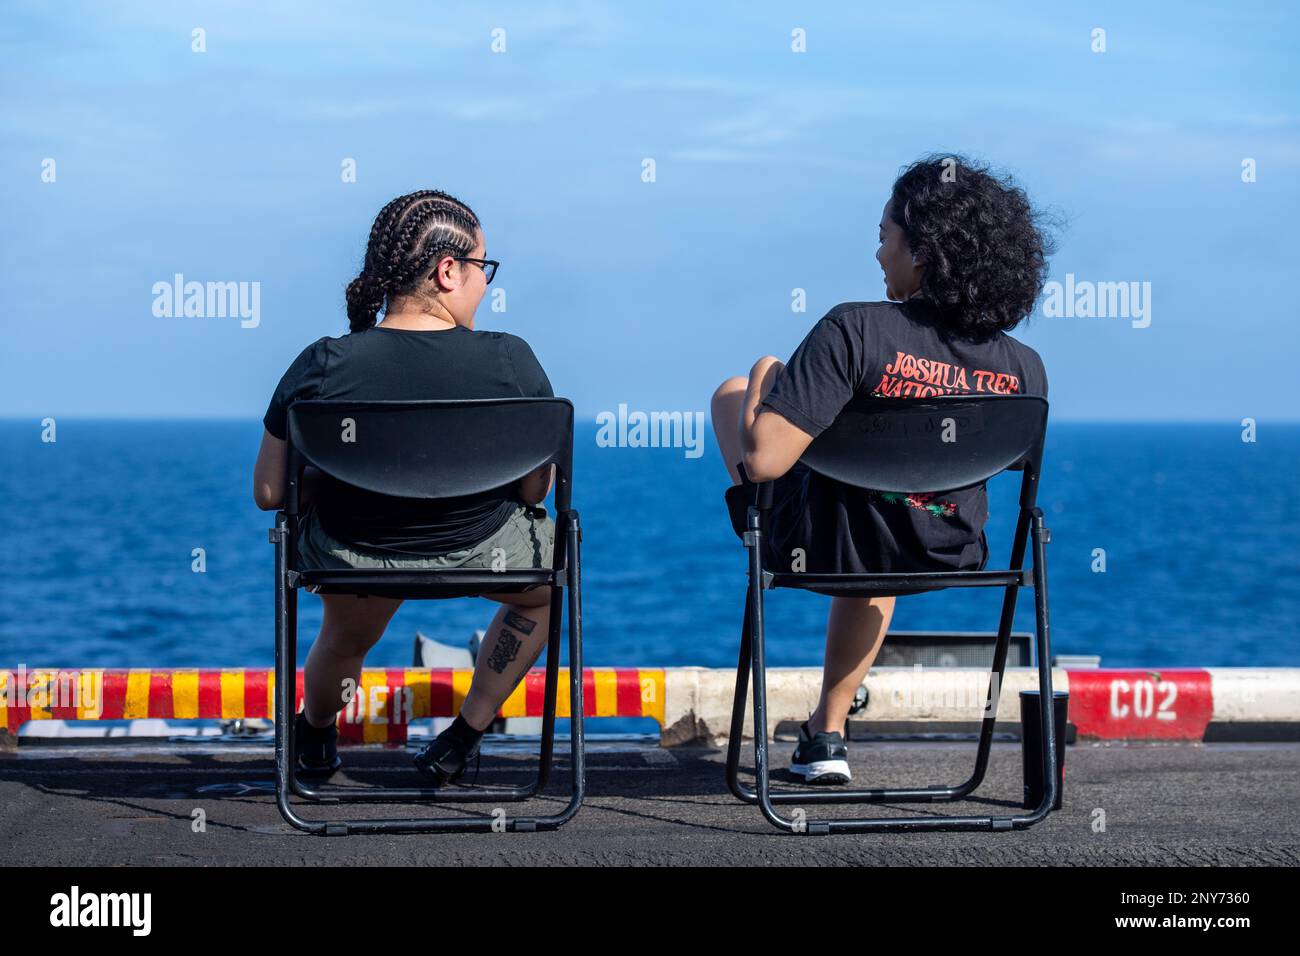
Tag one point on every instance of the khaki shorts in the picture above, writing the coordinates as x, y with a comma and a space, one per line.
526, 540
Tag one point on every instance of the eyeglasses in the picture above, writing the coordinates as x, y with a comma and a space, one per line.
489, 266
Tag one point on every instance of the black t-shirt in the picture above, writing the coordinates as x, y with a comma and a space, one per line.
897, 350
381, 364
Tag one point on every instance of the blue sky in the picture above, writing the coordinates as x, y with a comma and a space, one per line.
771, 170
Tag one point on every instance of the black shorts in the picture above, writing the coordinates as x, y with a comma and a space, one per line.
787, 494
788, 505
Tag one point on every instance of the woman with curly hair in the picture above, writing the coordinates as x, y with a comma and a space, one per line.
964, 259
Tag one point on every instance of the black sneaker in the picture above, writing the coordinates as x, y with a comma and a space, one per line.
315, 751
820, 758
445, 759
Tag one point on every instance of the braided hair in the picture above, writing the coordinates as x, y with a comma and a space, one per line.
409, 235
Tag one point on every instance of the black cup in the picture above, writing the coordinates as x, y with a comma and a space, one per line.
1031, 747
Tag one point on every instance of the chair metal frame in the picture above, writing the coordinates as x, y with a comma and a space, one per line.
527, 433
894, 445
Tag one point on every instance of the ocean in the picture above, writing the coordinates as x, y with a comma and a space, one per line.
99, 531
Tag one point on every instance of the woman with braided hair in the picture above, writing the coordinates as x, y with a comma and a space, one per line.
425, 268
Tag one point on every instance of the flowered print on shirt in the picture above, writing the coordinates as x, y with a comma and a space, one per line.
923, 501
911, 377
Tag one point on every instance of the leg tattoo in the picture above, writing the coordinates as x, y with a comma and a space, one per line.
506, 650
520, 623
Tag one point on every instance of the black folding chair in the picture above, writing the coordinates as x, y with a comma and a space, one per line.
909, 445
422, 450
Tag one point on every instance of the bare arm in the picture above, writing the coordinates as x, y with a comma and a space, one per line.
772, 443
268, 473
268, 476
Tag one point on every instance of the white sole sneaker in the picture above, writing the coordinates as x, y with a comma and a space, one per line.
823, 771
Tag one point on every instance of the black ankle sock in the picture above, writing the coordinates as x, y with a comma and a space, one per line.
309, 727
462, 731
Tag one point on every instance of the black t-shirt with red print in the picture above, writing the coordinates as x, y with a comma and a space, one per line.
895, 350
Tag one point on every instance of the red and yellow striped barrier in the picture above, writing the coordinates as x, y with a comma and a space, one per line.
385, 703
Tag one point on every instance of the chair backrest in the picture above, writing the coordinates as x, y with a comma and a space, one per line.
932, 444
432, 449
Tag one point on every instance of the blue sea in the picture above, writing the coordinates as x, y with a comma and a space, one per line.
98, 530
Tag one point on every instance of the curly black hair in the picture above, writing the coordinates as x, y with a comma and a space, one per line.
409, 235
984, 247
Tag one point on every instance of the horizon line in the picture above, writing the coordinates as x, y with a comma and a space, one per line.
142, 419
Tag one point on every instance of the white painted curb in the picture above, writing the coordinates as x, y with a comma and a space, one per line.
1114, 704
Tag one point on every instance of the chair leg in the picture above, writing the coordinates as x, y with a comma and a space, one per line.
758, 667
286, 678
1047, 703
552, 681
286, 782
935, 793
577, 706
735, 737
1005, 623
752, 640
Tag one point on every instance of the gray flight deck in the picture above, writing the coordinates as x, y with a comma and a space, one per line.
1163, 804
